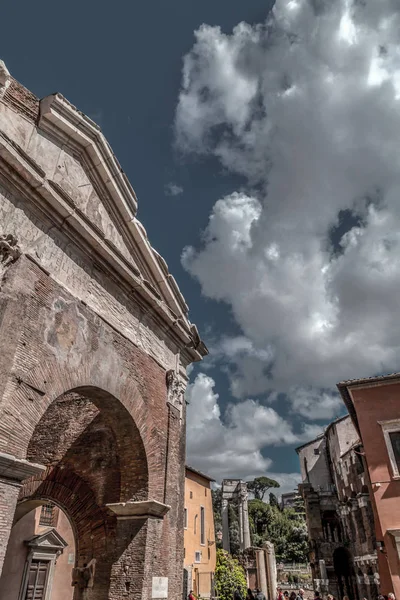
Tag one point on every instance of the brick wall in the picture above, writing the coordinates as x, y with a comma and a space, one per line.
85, 402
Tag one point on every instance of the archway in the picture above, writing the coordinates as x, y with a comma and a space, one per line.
94, 456
345, 573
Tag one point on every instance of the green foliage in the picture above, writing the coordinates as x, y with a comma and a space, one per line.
273, 500
260, 485
217, 508
229, 576
285, 529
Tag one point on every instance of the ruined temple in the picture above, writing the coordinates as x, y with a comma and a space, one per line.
94, 344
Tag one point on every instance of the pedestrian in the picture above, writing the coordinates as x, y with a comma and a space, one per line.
260, 595
300, 595
250, 595
191, 596
330, 597
238, 594
317, 596
391, 596
286, 594
293, 595
279, 595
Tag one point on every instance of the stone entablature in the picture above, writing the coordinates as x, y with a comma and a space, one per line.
102, 255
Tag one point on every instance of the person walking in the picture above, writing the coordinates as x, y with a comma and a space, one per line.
260, 595
250, 595
300, 595
279, 595
293, 595
237, 594
191, 596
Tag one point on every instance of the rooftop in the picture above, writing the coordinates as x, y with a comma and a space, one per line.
196, 472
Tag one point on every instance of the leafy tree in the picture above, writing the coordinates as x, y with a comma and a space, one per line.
260, 485
273, 500
217, 508
285, 529
229, 576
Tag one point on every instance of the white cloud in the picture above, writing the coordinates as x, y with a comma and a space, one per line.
307, 108
231, 447
172, 189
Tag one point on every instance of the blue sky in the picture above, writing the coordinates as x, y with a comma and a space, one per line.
270, 165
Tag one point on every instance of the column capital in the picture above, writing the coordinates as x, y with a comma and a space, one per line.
18, 469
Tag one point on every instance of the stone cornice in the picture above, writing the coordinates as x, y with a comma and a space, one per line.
17, 469
28, 176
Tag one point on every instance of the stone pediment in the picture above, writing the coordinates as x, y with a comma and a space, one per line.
70, 172
48, 541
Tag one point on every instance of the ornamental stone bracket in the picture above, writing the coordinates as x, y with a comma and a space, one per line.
18, 469
146, 509
175, 390
9, 250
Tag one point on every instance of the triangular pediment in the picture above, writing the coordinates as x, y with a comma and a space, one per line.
88, 173
48, 540
63, 161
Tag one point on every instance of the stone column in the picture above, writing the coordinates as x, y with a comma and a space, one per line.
245, 517
271, 569
262, 572
225, 526
12, 472
240, 516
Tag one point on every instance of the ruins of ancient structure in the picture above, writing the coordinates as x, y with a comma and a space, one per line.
259, 563
94, 344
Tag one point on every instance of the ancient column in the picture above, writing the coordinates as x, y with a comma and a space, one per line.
262, 572
12, 472
271, 569
225, 526
245, 519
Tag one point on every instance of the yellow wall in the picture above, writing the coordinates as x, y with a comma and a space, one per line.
198, 494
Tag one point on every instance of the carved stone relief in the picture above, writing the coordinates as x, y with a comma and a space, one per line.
176, 390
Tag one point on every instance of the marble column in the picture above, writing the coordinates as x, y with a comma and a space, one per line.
225, 526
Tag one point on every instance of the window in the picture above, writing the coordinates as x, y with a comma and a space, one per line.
205, 491
395, 441
185, 518
316, 451
202, 526
197, 557
184, 553
47, 515
391, 434
191, 495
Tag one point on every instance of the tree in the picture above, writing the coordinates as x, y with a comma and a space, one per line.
285, 529
229, 576
273, 500
260, 485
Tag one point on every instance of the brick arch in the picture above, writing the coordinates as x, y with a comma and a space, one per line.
77, 500
113, 391
89, 431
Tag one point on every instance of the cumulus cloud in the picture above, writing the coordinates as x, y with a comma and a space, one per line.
172, 189
306, 107
230, 445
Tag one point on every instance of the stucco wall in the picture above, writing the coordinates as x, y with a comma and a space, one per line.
200, 490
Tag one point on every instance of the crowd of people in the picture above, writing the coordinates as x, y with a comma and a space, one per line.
284, 595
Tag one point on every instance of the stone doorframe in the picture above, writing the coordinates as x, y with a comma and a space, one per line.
46, 547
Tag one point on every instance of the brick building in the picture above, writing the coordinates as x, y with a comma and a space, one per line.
374, 405
199, 535
339, 514
94, 345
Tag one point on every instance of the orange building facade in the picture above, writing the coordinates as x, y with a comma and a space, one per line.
199, 535
40, 556
374, 405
